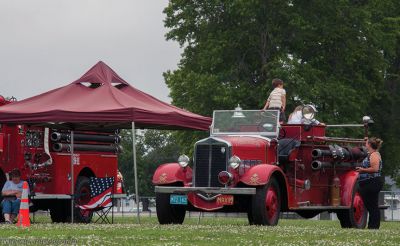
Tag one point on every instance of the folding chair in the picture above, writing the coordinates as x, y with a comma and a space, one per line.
101, 202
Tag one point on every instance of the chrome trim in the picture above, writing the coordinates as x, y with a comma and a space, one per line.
209, 163
204, 142
216, 139
322, 208
207, 198
254, 136
206, 190
212, 133
221, 140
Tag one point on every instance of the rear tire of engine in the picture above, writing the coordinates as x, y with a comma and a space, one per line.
167, 213
58, 212
356, 216
82, 193
3, 180
266, 204
250, 215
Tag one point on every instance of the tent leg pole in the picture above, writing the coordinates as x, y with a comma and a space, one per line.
72, 177
135, 170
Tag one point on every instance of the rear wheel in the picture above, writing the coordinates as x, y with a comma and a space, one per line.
3, 180
168, 213
266, 204
58, 211
82, 192
356, 216
250, 215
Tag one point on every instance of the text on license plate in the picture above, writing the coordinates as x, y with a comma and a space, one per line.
225, 200
178, 199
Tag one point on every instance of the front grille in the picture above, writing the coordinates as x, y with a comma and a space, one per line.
205, 170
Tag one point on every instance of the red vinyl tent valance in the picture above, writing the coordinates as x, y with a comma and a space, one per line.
100, 99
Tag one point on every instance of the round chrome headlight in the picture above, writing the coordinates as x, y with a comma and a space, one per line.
183, 160
309, 112
234, 162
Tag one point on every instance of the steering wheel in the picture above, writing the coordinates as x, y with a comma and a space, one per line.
282, 133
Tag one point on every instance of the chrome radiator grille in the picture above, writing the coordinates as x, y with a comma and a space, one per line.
210, 160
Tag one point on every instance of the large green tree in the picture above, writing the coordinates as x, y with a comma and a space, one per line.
341, 55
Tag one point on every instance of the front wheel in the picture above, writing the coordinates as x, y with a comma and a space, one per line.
356, 216
266, 204
168, 213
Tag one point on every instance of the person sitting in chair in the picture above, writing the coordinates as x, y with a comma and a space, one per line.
11, 192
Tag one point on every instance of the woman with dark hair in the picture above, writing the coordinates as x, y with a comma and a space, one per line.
371, 182
11, 192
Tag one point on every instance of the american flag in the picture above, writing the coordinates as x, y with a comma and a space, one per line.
100, 193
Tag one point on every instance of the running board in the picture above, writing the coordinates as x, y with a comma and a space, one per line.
319, 208
329, 207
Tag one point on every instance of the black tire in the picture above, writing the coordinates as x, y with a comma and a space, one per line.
250, 215
266, 204
82, 196
167, 213
356, 216
308, 214
58, 211
3, 180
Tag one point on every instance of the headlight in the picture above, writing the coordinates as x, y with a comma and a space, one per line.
234, 162
309, 111
183, 160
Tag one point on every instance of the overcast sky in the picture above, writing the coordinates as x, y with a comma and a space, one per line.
45, 44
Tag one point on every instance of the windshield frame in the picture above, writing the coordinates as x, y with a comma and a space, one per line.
266, 134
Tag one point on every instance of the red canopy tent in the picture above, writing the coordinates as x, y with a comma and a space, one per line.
100, 99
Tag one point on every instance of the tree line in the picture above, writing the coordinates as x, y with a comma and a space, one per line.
341, 55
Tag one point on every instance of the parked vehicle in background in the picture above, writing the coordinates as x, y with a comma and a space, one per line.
43, 157
251, 163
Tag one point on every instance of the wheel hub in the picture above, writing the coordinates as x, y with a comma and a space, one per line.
358, 206
271, 201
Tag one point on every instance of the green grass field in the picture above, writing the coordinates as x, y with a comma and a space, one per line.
210, 231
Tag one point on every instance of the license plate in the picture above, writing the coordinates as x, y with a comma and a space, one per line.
178, 199
225, 200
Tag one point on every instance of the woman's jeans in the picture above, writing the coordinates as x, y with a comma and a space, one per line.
10, 206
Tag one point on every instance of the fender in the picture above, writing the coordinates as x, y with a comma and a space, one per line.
259, 174
171, 173
348, 182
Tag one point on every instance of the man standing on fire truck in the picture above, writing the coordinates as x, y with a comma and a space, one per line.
11, 192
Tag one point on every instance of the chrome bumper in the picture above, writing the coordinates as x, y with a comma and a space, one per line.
206, 190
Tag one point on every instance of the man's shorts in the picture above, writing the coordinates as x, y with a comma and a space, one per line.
10, 206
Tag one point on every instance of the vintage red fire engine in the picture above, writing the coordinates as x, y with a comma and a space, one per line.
43, 157
252, 164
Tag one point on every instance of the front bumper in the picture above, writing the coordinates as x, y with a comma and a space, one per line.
205, 190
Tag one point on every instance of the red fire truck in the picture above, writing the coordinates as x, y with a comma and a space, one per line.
43, 157
252, 164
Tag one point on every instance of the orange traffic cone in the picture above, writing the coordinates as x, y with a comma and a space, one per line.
23, 216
